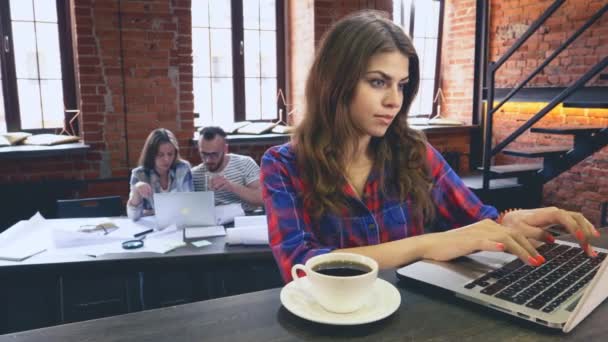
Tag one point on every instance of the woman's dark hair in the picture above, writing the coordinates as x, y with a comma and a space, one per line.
153, 142
327, 130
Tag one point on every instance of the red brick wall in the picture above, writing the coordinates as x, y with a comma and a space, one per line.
584, 187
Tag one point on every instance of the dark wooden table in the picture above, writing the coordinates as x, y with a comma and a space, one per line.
424, 314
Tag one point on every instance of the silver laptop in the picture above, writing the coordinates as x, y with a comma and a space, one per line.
558, 294
185, 209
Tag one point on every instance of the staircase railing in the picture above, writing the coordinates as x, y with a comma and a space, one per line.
493, 67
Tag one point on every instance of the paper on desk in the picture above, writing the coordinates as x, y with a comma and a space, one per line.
24, 239
66, 232
201, 243
227, 213
247, 235
254, 220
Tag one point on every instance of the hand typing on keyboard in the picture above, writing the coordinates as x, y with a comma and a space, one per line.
532, 224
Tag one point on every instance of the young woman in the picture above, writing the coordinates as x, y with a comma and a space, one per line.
160, 170
356, 178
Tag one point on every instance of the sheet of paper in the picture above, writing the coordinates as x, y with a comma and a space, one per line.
201, 243
203, 232
247, 235
227, 213
24, 239
254, 220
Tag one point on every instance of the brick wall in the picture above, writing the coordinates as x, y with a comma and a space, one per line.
585, 186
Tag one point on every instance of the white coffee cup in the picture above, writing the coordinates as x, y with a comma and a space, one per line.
335, 293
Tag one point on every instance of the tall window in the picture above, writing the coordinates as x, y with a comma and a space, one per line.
422, 19
238, 60
32, 63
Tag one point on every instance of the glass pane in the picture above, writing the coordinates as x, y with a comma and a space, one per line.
252, 53
202, 101
25, 50
433, 23
221, 54
200, 13
22, 10
2, 115
251, 14
200, 52
252, 99
269, 53
419, 44
49, 57
45, 10
426, 96
424, 13
430, 56
52, 103
267, 15
223, 103
29, 104
269, 96
220, 15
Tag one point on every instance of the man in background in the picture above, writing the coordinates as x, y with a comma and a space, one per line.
234, 178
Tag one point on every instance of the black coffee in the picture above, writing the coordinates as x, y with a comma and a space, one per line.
342, 268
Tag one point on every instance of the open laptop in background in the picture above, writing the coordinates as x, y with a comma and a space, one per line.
558, 294
185, 209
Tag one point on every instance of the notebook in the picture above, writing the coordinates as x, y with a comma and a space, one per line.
558, 294
185, 209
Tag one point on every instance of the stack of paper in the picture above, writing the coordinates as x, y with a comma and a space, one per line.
248, 230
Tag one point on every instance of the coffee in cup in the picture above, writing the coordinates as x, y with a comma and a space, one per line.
339, 282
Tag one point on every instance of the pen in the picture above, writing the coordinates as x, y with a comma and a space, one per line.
143, 233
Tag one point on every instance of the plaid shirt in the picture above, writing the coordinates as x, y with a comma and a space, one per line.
375, 218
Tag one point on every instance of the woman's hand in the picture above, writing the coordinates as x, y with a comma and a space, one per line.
141, 190
532, 223
485, 235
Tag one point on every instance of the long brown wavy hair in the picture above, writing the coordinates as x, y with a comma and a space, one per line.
153, 141
327, 130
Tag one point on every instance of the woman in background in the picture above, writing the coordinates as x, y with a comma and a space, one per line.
356, 178
160, 170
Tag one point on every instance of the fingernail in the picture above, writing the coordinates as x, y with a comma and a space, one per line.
596, 233
579, 235
500, 246
550, 239
540, 259
533, 261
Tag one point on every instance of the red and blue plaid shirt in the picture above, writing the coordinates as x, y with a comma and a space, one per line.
373, 219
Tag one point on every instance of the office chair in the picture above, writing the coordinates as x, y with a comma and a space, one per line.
90, 207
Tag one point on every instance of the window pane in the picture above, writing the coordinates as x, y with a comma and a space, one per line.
22, 10
267, 15
423, 16
430, 56
269, 53
45, 10
29, 104
269, 102
426, 96
221, 54
433, 22
251, 14
252, 99
2, 115
223, 102
220, 15
252, 53
202, 101
200, 51
25, 50
200, 13
49, 57
52, 103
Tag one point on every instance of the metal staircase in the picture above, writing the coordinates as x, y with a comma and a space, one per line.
525, 180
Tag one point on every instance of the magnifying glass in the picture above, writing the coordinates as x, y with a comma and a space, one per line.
133, 244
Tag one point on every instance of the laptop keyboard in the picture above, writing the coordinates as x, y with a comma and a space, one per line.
546, 287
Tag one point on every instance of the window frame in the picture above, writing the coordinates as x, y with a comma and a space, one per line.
238, 59
9, 76
410, 32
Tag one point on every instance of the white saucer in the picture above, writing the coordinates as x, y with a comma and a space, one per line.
385, 300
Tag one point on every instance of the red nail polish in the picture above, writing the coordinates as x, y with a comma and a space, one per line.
533, 261
594, 254
500, 246
579, 235
550, 239
540, 259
